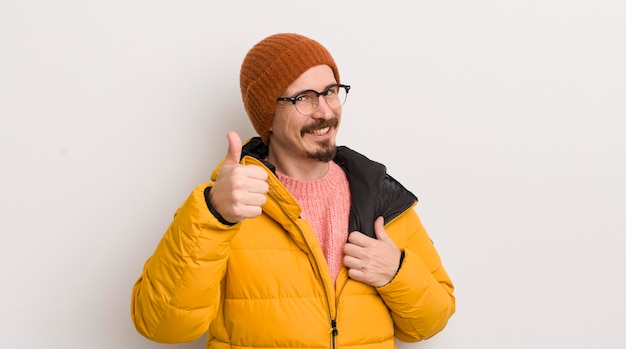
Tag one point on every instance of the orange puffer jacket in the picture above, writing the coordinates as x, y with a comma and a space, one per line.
264, 282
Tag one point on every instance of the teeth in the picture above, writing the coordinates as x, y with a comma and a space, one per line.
320, 131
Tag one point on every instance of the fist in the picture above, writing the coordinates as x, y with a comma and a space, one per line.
239, 190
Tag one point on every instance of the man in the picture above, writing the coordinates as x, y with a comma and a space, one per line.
295, 242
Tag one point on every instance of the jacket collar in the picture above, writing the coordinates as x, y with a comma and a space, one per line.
373, 192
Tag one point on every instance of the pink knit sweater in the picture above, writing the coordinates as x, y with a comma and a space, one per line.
325, 204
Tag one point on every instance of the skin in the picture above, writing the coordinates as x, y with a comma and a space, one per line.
295, 138
301, 147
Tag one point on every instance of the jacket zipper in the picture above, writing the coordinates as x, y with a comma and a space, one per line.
333, 322
334, 333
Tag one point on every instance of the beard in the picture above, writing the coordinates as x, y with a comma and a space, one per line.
327, 148
326, 152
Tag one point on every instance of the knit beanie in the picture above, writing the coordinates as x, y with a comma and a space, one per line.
270, 67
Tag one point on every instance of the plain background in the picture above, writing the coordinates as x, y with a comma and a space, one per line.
506, 118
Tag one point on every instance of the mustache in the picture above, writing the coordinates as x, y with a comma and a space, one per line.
319, 124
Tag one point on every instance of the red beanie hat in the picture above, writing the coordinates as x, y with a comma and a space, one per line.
270, 67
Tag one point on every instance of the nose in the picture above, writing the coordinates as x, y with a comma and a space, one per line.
322, 109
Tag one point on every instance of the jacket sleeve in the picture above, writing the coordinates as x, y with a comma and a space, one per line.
420, 297
178, 293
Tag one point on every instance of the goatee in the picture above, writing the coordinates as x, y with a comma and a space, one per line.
327, 149
326, 153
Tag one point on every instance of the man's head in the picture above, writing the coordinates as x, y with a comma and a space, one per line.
270, 67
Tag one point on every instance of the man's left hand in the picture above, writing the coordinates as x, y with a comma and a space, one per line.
372, 261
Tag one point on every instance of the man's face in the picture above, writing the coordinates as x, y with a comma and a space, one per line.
296, 137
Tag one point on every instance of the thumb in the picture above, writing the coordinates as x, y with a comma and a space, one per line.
234, 149
379, 228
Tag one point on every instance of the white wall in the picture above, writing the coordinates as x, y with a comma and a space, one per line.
506, 118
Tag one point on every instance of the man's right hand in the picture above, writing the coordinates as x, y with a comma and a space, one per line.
239, 190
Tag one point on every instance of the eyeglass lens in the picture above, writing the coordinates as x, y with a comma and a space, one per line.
307, 102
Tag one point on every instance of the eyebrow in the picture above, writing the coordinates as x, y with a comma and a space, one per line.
310, 89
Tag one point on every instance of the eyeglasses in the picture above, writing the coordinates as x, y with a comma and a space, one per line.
307, 101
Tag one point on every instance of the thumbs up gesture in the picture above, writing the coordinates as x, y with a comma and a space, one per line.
239, 190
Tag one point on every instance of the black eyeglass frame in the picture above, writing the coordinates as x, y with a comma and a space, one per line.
294, 99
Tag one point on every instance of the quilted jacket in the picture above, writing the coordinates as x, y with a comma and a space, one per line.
264, 282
